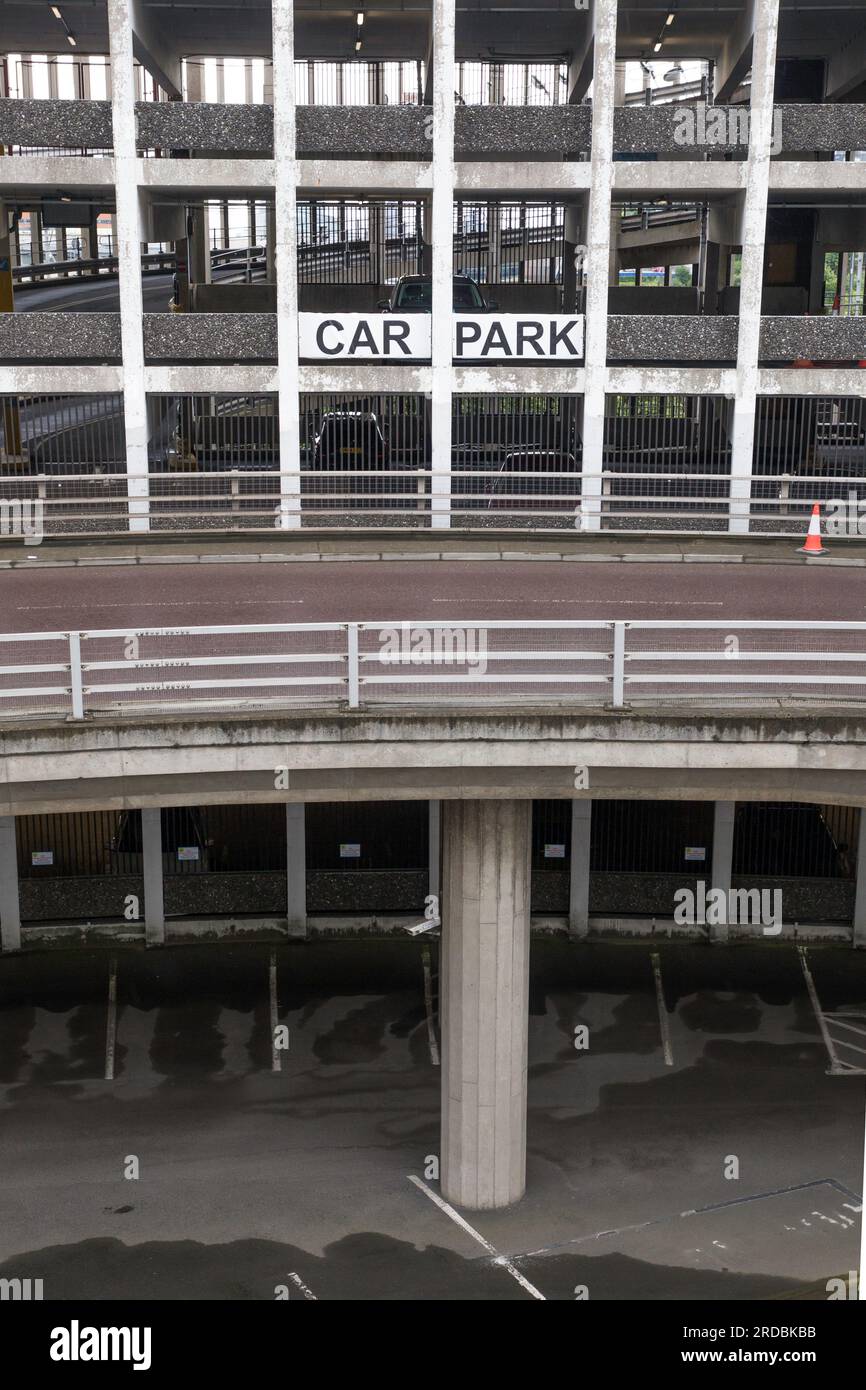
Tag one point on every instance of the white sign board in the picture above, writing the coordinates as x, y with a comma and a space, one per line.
41, 858
350, 851
695, 854
187, 853
554, 851
476, 337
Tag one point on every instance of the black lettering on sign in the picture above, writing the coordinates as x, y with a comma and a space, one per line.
320, 338
363, 338
396, 332
467, 333
496, 339
561, 335
530, 333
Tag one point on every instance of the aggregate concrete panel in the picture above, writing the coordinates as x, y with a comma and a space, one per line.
545, 131
205, 125
211, 337
60, 337
671, 338
55, 124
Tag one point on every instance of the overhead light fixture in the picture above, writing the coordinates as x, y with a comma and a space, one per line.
657, 46
670, 19
360, 18
358, 46
70, 39
56, 12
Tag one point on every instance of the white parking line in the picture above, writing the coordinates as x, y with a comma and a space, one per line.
111, 1021
476, 1235
428, 1005
664, 1026
837, 1067
276, 1061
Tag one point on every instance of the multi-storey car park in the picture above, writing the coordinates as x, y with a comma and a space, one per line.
462, 296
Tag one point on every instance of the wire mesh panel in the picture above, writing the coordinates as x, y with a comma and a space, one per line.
224, 839
666, 455
365, 460
34, 675
213, 667
668, 837
72, 869
807, 449
425, 662
509, 243
321, 82
516, 460
793, 839
57, 434
511, 84
367, 856
716, 661
359, 242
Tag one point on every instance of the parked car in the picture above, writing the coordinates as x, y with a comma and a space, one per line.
539, 492
413, 294
350, 441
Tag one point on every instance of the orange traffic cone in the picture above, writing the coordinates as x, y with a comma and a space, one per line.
813, 544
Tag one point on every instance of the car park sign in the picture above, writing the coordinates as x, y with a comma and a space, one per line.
490, 337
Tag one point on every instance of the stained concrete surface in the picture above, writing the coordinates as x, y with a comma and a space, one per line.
249, 1177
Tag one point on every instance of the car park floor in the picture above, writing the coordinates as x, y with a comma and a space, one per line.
701, 1062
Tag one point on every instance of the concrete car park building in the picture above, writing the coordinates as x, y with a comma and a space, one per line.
206, 210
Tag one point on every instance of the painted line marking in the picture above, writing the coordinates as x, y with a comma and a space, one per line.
664, 1025
856, 1206
276, 1061
498, 1259
861, 1274
428, 1005
595, 602
111, 1020
837, 1067
307, 1292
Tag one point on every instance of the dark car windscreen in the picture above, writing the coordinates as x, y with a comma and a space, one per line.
418, 294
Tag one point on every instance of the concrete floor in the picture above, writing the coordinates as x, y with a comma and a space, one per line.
252, 1179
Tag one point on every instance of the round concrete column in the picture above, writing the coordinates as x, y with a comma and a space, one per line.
484, 992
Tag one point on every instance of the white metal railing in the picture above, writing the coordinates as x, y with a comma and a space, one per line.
185, 499
124, 671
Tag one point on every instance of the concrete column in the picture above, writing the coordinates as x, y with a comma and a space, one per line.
598, 260
859, 933
286, 262
151, 853
434, 847
128, 250
484, 987
10, 910
443, 259
296, 869
724, 813
578, 891
753, 236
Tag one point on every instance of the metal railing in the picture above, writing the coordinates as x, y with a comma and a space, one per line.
615, 664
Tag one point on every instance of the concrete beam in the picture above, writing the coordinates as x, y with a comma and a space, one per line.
846, 67
152, 47
736, 56
484, 989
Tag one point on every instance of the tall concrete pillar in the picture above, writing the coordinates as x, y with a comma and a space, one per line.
10, 910
442, 261
286, 262
724, 813
296, 869
578, 892
598, 241
484, 988
151, 853
753, 223
860, 895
